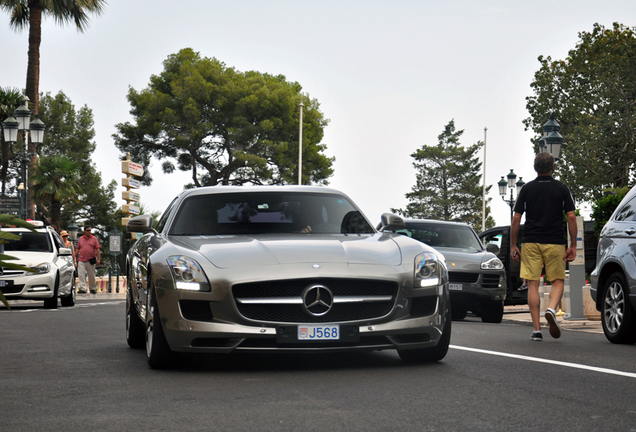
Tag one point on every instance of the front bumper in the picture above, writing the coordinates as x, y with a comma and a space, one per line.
487, 287
398, 330
32, 287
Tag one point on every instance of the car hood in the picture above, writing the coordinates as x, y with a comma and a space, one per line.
238, 251
457, 260
30, 259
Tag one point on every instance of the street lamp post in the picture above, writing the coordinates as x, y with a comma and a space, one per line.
21, 122
552, 140
73, 229
510, 184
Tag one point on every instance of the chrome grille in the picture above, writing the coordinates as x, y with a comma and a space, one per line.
281, 301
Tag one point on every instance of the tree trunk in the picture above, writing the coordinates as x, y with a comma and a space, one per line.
56, 213
33, 87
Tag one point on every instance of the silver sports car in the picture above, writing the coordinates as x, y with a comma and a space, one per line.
281, 268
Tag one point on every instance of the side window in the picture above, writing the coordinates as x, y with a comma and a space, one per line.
495, 239
628, 212
499, 239
57, 240
164, 216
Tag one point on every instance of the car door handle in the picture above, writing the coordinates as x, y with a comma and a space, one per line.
630, 231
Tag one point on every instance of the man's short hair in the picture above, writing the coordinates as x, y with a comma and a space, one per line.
543, 163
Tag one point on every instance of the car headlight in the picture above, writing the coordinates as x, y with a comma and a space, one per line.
427, 270
40, 269
492, 264
187, 274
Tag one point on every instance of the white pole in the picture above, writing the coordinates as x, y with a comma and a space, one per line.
483, 198
300, 147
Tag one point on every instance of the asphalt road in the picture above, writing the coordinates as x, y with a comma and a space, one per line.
70, 369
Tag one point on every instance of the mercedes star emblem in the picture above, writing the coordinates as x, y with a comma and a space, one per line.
317, 300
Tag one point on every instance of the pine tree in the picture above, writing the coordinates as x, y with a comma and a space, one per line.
448, 182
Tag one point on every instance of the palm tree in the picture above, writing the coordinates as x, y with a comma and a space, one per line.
29, 13
55, 183
10, 99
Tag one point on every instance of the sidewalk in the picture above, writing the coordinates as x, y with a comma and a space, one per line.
102, 290
103, 295
521, 314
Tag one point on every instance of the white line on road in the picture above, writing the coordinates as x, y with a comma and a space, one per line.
540, 360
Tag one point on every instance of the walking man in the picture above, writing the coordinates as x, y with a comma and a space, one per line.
544, 200
87, 254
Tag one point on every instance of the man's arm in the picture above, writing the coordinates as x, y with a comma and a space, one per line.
98, 250
570, 253
514, 232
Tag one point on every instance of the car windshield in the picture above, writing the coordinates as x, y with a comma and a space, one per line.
29, 242
444, 236
268, 213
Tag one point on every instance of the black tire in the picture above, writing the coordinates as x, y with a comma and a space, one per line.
135, 331
69, 300
492, 312
429, 355
159, 354
617, 315
51, 303
458, 312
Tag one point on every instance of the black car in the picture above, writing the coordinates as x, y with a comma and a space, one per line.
477, 277
498, 240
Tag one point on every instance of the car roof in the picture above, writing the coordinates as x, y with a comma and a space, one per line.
435, 222
40, 230
221, 189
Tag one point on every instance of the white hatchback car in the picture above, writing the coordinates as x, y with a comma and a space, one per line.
54, 272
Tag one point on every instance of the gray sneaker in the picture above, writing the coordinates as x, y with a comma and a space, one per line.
555, 330
536, 336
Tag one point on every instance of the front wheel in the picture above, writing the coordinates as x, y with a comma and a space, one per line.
492, 312
158, 351
51, 303
618, 318
434, 354
458, 312
134, 325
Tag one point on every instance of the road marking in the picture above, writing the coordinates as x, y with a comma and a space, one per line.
541, 360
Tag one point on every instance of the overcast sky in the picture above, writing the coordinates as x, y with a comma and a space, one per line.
388, 74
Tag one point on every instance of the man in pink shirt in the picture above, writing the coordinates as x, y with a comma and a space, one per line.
88, 257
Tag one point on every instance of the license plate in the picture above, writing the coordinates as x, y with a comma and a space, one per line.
5, 283
318, 332
456, 287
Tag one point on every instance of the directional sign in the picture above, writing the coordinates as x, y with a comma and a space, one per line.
9, 204
132, 168
131, 183
130, 209
114, 242
130, 196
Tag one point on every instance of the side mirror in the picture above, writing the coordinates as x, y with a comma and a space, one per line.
391, 222
141, 223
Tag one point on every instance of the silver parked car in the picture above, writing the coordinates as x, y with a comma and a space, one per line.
281, 268
477, 277
53, 272
613, 280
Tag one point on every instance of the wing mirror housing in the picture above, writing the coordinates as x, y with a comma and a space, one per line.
391, 222
141, 223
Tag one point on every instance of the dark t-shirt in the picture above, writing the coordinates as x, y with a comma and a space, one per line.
544, 200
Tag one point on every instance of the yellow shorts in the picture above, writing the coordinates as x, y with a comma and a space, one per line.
535, 255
